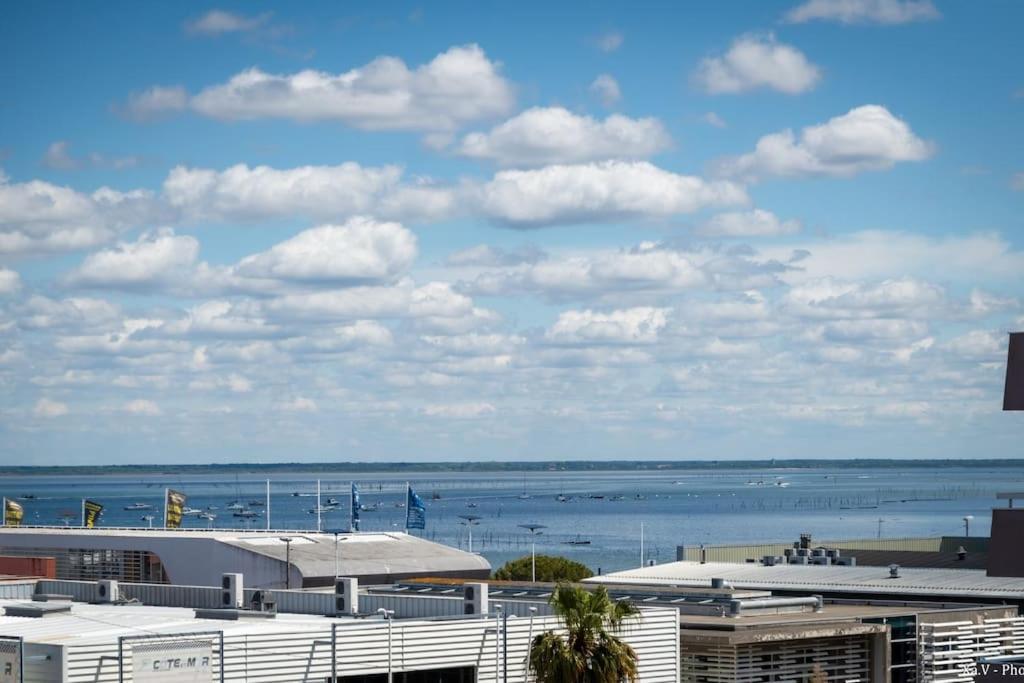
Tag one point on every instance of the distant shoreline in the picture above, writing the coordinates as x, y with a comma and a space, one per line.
511, 466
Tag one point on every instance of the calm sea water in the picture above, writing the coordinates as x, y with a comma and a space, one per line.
606, 508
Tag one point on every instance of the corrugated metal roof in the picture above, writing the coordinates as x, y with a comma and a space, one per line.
932, 583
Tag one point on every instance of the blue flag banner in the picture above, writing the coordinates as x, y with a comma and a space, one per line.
355, 507
415, 511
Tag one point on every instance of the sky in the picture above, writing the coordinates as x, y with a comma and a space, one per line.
262, 232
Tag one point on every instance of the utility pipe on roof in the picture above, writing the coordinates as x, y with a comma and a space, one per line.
738, 606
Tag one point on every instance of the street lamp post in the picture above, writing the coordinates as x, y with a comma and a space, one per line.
967, 524
471, 520
287, 540
534, 529
388, 614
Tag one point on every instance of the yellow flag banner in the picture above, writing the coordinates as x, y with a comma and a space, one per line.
13, 513
90, 513
174, 509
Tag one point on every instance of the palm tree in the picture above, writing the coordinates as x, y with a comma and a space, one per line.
587, 652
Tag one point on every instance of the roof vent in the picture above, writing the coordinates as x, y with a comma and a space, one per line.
36, 610
894, 571
961, 553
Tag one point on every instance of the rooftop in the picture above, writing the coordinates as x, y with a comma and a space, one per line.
925, 583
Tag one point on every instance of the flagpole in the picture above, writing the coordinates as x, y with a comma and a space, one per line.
268, 505
408, 502
83, 513
5, 512
351, 504
318, 522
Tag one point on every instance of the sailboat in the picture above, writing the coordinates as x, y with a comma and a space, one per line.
524, 495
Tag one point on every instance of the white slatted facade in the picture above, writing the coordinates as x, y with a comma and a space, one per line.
266, 655
843, 660
947, 650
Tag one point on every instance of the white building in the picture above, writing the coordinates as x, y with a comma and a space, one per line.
79, 642
197, 557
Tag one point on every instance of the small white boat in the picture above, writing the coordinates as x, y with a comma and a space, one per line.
138, 506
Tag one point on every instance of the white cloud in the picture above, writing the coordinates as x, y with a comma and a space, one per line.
37, 216
600, 192
360, 251
866, 138
155, 257
606, 89
456, 87
551, 135
41, 313
755, 223
609, 41
10, 281
58, 157
875, 329
880, 254
979, 345
713, 119
248, 193
1017, 181
299, 404
46, 408
639, 325
830, 298
217, 22
489, 256
142, 407
154, 103
433, 301
459, 411
757, 61
864, 11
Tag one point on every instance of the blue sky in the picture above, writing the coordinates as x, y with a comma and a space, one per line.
248, 231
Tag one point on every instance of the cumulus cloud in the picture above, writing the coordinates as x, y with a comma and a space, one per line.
155, 257
485, 255
755, 223
59, 157
831, 298
757, 61
10, 281
142, 407
249, 193
359, 251
713, 119
153, 103
553, 135
866, 138
459, 411
864, 11
881, 254
218, 22
299, 404
38, 216
639, 325
402, 300
609, 41
606, 89
458, 86
599, 192
47, 408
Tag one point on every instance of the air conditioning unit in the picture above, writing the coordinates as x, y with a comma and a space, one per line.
232, 589
474, 598
107, 591
346, 596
